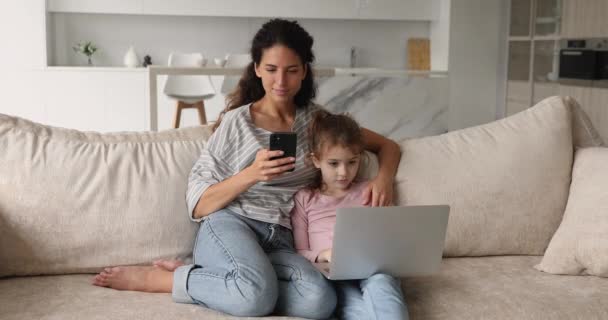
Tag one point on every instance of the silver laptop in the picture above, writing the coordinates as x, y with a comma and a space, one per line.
400, 241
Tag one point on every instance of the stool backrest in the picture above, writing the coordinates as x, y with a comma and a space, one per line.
234, 61
198, 86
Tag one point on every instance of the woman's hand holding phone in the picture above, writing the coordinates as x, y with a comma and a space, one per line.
264, 169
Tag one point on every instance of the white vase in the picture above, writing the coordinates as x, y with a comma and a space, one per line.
131, 60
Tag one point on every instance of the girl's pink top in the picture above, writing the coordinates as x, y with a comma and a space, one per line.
314, 215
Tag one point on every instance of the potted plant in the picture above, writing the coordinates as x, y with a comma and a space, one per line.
87, 48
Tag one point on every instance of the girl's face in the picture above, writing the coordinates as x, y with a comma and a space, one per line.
339, 166
282, 72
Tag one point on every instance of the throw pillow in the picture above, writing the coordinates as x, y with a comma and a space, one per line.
580, 245
506, 182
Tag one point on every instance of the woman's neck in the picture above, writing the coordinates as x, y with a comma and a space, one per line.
271, 116
276, 109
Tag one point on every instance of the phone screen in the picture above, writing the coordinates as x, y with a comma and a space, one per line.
285, 141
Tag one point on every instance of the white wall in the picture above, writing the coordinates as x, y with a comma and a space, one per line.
379, 43
478, 31
23, 53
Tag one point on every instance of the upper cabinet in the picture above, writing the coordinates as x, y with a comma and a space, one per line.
314, 9
337, 9
96, 6
521, 15
585, 19
398, 9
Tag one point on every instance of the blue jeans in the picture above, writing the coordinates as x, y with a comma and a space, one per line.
377, 297
246, 267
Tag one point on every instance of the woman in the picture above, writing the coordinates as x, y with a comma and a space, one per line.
245, 263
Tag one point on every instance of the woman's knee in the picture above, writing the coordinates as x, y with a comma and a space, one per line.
255, 302
320, 300
253, 296
325, 303
311, 295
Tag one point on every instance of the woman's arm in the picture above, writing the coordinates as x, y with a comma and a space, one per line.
380, 189
222, 193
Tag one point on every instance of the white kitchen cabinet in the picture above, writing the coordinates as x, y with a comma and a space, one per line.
96, 6
584, 19
544, 90
534, 42
425, 10
598, 111
398, 9
103, 101
335, 9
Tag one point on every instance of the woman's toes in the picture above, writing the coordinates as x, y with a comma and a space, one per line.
98, 280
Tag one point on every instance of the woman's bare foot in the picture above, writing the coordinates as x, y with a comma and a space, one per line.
169, 265
133, 278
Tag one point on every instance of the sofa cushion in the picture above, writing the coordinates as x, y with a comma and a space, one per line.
75, 201
72, 297
465, 288
506, 182
580, 244
504, 288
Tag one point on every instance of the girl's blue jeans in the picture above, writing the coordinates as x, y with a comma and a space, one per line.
377, 297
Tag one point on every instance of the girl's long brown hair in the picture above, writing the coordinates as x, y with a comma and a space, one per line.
273, 32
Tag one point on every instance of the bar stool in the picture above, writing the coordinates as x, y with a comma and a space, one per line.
189, 91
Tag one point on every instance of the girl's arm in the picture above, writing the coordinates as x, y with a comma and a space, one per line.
219, 195
379, 192
299, 227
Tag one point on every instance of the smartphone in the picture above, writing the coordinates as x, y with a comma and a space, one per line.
285, 141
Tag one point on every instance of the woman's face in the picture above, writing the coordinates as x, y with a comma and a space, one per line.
282, 72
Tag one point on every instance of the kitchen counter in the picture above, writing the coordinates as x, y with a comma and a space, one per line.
356, 77
321, 72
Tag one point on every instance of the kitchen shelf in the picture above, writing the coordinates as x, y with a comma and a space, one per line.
413, 10
95, 69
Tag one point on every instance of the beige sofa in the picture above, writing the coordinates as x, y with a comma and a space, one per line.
72, 202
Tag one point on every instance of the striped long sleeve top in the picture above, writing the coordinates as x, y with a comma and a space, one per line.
232, 148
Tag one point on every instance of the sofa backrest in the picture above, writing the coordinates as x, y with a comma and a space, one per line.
73, 202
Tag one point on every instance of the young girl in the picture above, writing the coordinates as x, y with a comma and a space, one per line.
337, 146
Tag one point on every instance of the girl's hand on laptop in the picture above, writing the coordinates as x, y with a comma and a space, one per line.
324, 256
379, 192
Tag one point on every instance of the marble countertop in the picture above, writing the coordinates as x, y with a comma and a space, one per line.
322, 71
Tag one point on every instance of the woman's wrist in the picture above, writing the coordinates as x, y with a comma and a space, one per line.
248, 176
386, 175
